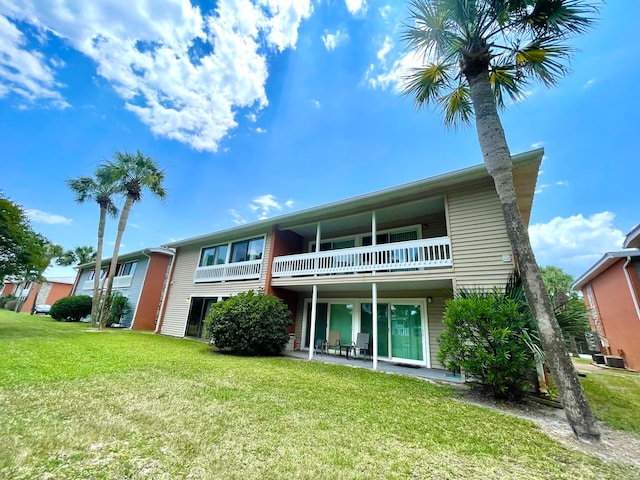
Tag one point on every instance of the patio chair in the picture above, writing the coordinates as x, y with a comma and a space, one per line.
320, 346
334, 341
361, 346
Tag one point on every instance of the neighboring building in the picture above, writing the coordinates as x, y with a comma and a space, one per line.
394, 256
9, 286
611, 291
140, 276
38, 293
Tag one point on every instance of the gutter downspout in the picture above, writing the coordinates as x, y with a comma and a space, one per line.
166, 292
631, 290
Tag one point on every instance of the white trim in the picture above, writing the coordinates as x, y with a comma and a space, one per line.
356, 323
169, 281
601, 265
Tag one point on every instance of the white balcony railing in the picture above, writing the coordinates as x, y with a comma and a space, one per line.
122, 281
415, 254
228, 271
88, 285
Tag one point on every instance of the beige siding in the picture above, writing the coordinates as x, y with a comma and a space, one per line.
435, 312
478, 237
434, 226
182, 287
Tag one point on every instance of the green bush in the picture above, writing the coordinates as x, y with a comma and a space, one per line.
118, 309
71, 309
11, 304
486, 336
5, 299
249, 324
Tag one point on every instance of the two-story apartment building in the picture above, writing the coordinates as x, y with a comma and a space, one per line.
383, 263
140, 276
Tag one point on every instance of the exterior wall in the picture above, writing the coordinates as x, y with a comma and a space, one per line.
133, 291
56, 292
617, 313
182, 287
478, 238
435, 312
29, 301
151, 294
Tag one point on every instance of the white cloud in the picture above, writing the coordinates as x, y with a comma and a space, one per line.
289, 203
316, 103
589, 83
537, 145
38, 216
260, 130
541, 187
386, 48
332, 40
264, 204
575, 243
252, 117
385, 11
357, 7
185, 74
26, 73
562, 183
236, 217
385, 77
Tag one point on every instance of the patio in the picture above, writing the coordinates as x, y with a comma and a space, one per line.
420, 372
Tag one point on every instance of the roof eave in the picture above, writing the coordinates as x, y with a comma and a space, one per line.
603, 264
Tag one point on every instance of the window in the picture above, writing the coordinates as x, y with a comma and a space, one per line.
247, 250
128, 268
400, 236
213, 255
92, 273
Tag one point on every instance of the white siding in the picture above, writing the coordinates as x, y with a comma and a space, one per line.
182, 288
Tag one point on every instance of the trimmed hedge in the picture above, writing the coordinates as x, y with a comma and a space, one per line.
250, 324
71, 309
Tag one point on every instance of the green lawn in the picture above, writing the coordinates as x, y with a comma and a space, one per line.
118, 404
614, 396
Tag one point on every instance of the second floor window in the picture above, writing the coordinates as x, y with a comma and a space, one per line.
128, 268
213, 255
92, 273
247, 250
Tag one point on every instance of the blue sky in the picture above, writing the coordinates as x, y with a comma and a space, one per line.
257, 108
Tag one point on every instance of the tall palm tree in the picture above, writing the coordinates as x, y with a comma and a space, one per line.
133, 174
99, 191
79, 255
474, 53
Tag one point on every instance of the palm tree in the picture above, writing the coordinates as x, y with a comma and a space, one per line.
473, 54
79, 255
90, 189
133, 174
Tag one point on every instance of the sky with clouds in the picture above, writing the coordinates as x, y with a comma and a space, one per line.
257, 108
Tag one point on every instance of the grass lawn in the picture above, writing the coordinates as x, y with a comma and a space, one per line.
119, 404
614, 396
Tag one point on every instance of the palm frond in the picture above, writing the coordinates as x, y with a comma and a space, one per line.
543, 60
505, 80
427, 84
457, 106
431, 33
561, 17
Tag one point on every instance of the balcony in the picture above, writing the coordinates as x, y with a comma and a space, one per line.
122, 281
228, 271
88, 285
411, 255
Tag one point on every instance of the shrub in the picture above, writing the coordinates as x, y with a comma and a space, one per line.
11, 304
249, 324
71, 309
486, 336
118, 309
5, 299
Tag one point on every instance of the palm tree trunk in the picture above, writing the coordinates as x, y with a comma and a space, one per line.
122, 223
95, 300
497, 158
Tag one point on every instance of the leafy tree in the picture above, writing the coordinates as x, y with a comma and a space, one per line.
23, 252
249, 323
77, 256
99, 191
132, 174
569, 308
476, 53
